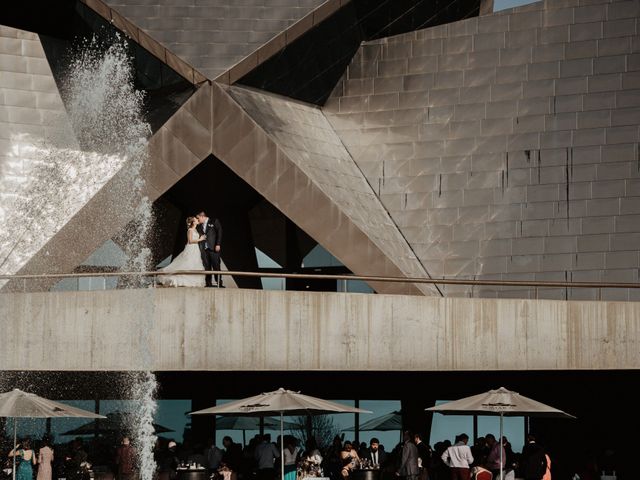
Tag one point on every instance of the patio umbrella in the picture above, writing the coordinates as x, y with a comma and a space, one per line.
115, 422
18, 404
249, 423
384, 423
284, 402
502, 402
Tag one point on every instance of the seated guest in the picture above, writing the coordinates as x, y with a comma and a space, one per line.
350, 459
374, 454
480, 473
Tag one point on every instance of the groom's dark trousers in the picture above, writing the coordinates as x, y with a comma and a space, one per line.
211, 261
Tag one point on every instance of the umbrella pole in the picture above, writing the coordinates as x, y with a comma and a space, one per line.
282, 444
15, 425
501, 447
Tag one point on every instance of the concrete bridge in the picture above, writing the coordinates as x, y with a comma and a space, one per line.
234, 329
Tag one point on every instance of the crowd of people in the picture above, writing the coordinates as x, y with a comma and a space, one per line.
41, 461
411, 459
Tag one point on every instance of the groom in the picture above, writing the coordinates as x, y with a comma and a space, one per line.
210, 248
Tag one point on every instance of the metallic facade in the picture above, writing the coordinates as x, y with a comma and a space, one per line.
506, 146
498, 147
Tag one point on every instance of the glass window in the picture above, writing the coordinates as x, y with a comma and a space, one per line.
388, 438
319, 257
503, 4
446, 427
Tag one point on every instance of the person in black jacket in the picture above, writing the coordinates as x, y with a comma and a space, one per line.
376, 456
424, 456
533, 463
210, 248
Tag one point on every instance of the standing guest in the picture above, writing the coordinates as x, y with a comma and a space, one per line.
439, 468
232, 456
332, 461
210, 247
23, 451
76, 464
126, 460
496, 452
459, 458
266, 454
168, 462
291, 452
533, 463
424, 456
213, 455
547, 473
45, 459
409, 458
510, 460
479, 450
374, 454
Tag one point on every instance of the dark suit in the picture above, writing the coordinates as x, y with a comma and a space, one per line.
382, 456
212, 229
533, 463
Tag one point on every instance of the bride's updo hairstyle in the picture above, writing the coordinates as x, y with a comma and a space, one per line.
190, 220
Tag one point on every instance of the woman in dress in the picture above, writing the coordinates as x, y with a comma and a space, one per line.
189, 259
45, 458
350, 459
291, 452
24, 469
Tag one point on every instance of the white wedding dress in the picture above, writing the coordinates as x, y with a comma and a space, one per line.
188, 259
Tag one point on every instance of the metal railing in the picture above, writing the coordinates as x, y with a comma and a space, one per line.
148, 279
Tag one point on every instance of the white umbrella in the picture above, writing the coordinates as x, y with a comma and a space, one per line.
284, 402
502, 402
18, 404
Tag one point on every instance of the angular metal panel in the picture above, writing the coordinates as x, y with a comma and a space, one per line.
535, 92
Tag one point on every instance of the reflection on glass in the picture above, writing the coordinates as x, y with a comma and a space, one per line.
446, 427
502, 4
388, 438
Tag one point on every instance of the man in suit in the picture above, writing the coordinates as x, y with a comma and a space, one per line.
376, 455
533, 463
409, 460
424, 456
210, 248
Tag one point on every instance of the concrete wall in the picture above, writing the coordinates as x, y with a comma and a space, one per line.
205, 329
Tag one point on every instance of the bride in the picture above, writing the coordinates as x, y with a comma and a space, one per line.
189, 259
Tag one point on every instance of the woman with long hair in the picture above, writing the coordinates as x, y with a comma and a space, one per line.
45, 458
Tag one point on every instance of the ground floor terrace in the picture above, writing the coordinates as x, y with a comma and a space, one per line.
603, 402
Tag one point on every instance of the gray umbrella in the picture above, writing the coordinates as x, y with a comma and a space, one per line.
115, 422
384, 423
18, 404
502, 402
284, 402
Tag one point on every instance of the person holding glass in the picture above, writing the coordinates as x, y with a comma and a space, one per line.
27, 459
350, 459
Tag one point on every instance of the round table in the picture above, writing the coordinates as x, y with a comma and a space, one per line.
192, 474
365, 474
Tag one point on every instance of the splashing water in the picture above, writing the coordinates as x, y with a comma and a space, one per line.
143, 389
115, 108
54, 169
51, 176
